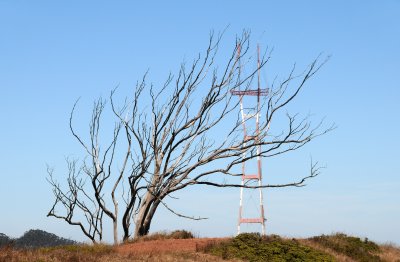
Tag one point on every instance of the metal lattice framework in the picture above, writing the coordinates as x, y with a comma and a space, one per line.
246, 176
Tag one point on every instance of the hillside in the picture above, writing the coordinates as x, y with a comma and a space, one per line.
181, 246
35, 238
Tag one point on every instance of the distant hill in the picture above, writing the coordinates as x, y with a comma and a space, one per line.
35, 238
4, 240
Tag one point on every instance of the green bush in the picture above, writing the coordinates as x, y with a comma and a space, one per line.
253, 247
354, 247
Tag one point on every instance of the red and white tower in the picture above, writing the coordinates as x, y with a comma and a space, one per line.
251, 131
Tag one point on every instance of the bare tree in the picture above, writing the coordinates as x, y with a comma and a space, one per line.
98, 169
185, 112
77, 199
187, 132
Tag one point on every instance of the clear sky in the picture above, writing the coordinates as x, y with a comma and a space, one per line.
52, 52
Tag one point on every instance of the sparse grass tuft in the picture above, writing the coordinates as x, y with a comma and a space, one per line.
353, 247
253, 247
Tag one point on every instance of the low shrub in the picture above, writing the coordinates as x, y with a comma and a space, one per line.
181, 234
254, 247
177, 234
354, 247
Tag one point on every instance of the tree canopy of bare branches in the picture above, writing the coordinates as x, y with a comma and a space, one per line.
186, 132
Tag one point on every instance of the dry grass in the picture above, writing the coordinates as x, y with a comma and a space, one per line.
163, 247
176, 256
65, 255
390, 253
166, 246
179, 245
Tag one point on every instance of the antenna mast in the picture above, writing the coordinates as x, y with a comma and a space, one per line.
245, 117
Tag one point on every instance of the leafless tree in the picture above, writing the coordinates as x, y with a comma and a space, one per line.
188, 132
98, 169
77, 199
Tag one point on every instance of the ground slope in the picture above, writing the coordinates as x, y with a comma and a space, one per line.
250, 247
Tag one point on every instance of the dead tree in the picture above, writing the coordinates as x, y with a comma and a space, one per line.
172, 133
76, 200
184, 133
98, 168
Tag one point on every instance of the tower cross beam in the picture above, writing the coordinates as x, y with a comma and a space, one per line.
250, 92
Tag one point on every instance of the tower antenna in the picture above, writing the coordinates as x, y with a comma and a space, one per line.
245, 117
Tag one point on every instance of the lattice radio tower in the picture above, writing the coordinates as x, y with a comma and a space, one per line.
246, 177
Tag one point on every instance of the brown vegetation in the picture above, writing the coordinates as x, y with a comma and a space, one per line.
162, 235
390, 252
182, 246
347, 248
185, 249
152, 250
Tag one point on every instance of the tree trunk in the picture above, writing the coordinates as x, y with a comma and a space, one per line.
115, 228
143, 222
126, 219
115, 224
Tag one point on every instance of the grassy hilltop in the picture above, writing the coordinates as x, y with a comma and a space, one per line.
181, 245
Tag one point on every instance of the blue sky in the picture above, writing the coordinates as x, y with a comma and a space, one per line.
52, 52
